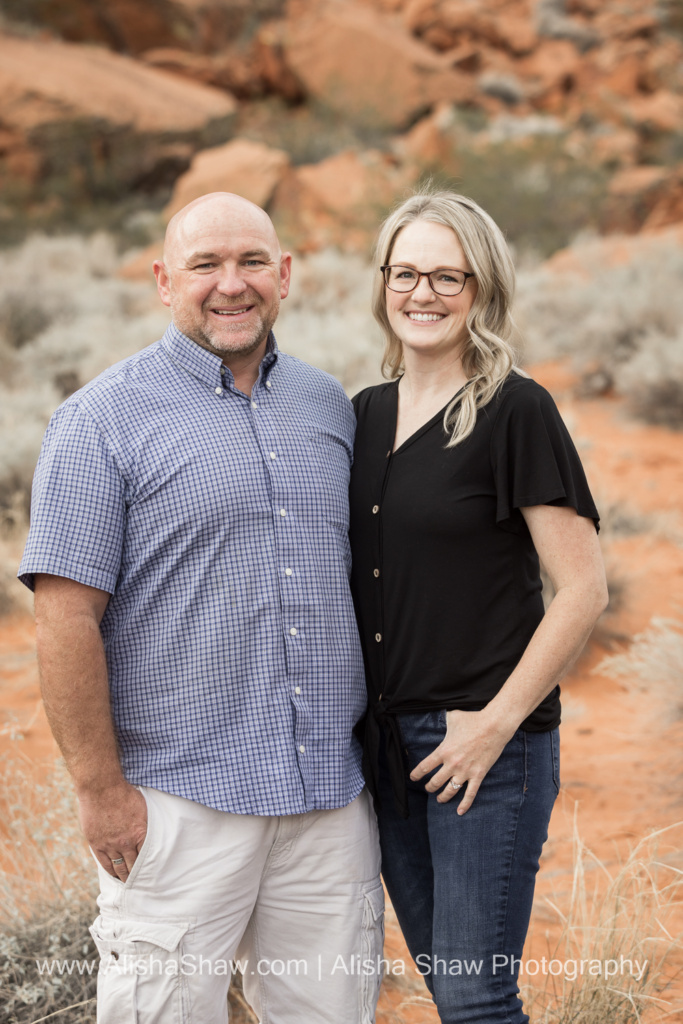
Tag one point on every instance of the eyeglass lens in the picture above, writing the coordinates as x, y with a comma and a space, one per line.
443, 282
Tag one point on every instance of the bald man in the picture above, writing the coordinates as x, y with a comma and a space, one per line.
200, 664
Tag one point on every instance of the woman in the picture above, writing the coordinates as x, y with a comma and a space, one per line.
464, 476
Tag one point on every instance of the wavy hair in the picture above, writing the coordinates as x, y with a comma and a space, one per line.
488, 357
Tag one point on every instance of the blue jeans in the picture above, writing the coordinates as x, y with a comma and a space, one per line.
462, 887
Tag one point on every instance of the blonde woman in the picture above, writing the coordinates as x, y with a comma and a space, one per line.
464, 477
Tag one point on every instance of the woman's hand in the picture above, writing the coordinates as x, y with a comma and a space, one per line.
471, 746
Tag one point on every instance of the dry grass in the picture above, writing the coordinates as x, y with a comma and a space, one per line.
634, 912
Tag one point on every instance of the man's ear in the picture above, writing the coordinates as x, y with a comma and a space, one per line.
285, 274
163, 281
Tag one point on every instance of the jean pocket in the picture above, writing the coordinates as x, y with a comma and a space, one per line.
555, 753
372, 943
140, 975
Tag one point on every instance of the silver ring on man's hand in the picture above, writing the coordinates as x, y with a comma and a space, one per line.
456, 785
119, 860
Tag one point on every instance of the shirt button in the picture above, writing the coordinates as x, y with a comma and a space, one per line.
219, 391
378, 637
375, 509
297, 689
375, 573
268, 384
254, 405
283, 512
273, 455
292, 631
302, 749
288, 572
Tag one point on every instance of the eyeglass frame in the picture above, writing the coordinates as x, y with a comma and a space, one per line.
423, 273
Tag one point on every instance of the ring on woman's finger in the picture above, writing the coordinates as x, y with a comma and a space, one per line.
456, 785
118, 860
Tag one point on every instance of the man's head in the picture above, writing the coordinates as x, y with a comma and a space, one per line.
223, 274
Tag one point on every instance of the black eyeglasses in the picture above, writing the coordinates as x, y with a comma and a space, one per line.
442, 282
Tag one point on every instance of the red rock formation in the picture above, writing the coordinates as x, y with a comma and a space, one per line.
76, 111
365, 66
131, 26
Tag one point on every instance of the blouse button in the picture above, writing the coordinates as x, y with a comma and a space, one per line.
375, 509
378, 637
375, 573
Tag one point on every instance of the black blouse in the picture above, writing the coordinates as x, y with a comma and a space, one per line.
445, 574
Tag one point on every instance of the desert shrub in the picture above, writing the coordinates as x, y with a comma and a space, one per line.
538, 194
326, 319
652, 664
64, 317
620, 324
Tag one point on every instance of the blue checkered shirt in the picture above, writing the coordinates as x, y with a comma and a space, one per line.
218, 524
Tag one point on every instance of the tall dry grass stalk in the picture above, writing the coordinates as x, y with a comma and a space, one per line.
623, 915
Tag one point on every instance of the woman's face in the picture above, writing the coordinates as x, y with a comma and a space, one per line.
423, 321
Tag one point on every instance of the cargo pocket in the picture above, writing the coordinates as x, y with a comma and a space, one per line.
372, 944
140, 975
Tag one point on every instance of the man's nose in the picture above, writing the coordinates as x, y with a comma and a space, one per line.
231, 280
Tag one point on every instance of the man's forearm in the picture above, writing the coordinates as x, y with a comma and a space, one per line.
74, 684
75, 687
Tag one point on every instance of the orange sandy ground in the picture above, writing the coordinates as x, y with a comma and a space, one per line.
621, 751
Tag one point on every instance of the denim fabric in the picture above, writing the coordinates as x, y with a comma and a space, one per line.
462, 886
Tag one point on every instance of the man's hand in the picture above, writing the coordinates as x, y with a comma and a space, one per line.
114, 822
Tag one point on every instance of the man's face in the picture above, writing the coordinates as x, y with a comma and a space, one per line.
223, 276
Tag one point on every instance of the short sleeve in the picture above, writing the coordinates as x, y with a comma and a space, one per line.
77, 505
534, 459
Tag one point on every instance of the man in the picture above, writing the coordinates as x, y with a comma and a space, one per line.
199, 659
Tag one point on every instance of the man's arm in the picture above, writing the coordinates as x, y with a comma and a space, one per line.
75, 688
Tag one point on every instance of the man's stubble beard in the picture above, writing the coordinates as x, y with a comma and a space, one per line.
217, 342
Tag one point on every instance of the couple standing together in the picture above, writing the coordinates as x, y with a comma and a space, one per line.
201, 665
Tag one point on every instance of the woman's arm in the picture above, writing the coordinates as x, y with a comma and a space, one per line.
568, 548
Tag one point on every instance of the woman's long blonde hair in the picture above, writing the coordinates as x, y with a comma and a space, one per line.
488, 357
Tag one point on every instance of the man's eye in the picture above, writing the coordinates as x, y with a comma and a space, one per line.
253, 263
204, 266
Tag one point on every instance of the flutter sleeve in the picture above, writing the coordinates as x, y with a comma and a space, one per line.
533, 458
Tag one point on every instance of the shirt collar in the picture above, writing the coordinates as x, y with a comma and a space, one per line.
204, 365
